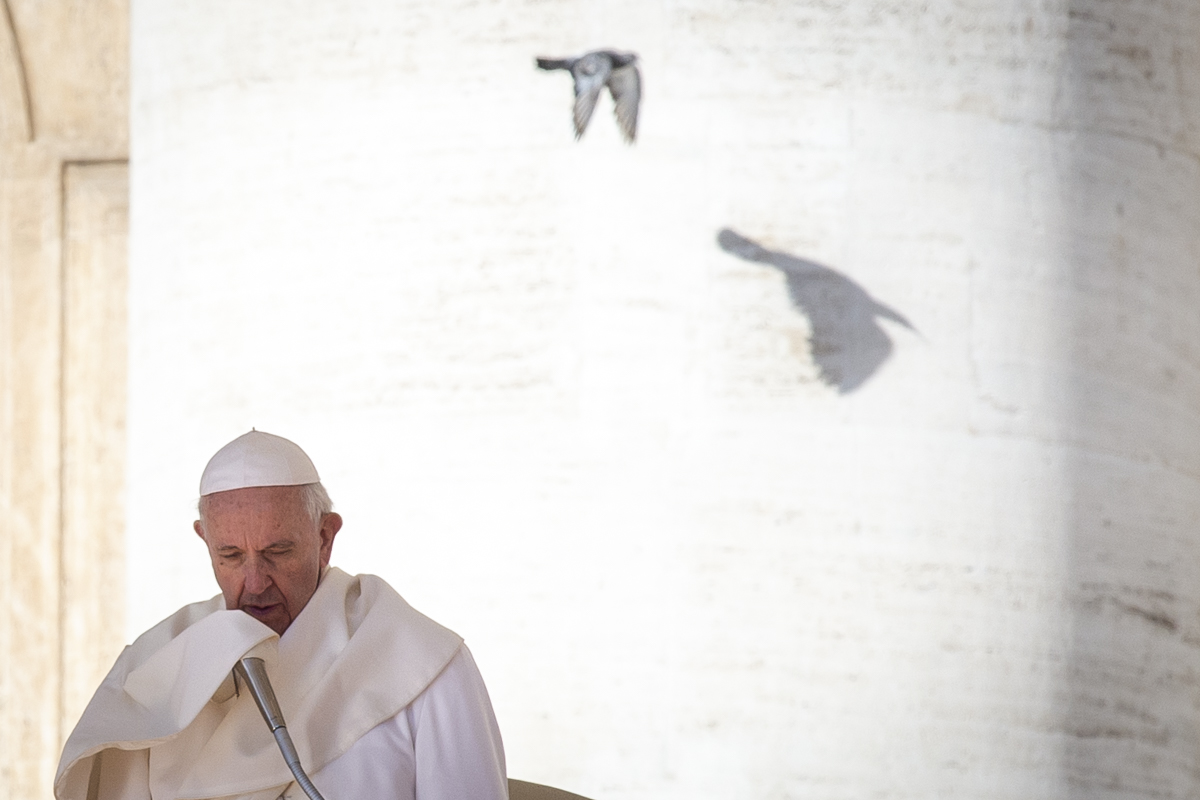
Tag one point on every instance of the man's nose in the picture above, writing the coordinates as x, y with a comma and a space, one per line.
254, 577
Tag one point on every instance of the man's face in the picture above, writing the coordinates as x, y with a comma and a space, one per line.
267, 554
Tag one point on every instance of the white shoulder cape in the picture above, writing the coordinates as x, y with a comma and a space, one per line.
167, 718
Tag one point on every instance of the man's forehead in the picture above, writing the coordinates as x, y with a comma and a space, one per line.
257, 520
262, 513
281, 498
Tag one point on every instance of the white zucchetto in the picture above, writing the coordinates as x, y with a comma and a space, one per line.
257, 459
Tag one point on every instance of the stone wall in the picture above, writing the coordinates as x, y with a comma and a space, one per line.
63, 230
838, 439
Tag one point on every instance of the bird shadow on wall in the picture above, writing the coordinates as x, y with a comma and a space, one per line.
847, 343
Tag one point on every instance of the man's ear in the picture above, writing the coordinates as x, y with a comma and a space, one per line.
198, 527
330, 525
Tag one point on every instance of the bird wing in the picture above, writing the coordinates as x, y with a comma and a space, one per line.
555, 63
625, 84
591, 73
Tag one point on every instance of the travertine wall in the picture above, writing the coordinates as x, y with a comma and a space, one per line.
643, 423
1129, 173
63, 229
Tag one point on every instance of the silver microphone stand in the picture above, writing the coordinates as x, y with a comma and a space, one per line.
253, 672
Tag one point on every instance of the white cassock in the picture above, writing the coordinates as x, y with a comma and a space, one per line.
381, 702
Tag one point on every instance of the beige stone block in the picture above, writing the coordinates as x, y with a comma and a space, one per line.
16, 122
29, 205
76, 56
63, 106
96, 202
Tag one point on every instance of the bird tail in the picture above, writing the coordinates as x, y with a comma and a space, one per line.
554, 63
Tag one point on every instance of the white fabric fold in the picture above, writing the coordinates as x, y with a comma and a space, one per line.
355, 656
200, 654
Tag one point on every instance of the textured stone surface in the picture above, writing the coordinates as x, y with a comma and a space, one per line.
96, 203
559, 417
63, 107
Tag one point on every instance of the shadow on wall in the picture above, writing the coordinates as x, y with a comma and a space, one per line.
847, 343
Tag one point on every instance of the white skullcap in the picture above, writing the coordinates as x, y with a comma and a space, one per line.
257, 459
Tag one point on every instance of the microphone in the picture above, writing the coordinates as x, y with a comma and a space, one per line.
253, 673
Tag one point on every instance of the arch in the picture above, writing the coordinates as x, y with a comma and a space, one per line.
14, 86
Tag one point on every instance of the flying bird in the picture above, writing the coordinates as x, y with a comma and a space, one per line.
592, 72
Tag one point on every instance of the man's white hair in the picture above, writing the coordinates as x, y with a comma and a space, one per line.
312, 495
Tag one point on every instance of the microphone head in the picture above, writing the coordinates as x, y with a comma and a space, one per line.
253, 673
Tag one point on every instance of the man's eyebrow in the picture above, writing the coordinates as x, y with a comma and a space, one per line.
276, 545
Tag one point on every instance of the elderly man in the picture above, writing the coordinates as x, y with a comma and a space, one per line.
381, 701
